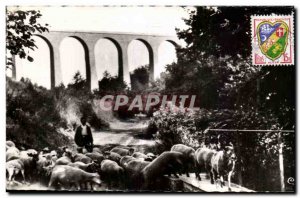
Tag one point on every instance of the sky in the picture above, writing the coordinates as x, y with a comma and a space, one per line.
145, 20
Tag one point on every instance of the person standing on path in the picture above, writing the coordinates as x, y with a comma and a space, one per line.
83, 136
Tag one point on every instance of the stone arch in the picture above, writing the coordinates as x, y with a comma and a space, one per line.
150, 53
52, 66
176, 45
86, 56
119, 54
18, 62
166, 55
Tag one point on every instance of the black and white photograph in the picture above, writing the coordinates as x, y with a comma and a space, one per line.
155, 99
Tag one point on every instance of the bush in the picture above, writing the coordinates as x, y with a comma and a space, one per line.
32, 119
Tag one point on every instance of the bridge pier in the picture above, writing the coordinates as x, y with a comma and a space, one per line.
124, 70
154, 65
56, 73
91, 71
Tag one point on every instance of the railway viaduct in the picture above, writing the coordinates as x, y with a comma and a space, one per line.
89, 40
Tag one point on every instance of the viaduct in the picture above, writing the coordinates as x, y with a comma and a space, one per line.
89, 40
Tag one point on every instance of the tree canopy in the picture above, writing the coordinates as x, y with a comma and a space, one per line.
216, 64
20, 27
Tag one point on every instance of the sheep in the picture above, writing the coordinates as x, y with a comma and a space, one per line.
122, 151
13, 167
67, 176
29, 159
54, 156
79, 157
96, 149
150, 157
45, 165
188, 153
61, 150
67, 157
95, 156
146, 157
90, 167
12, 153
203, 160
139, 155
133, 171
168, 162
223, 162
112, 172
112, 156
125, 159
10, 144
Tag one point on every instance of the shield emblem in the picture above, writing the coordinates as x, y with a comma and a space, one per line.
272, 38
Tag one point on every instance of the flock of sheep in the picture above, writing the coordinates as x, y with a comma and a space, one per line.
65, 169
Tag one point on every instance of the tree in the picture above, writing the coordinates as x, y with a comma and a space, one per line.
216, 64
20, 27
140, 78
111, 84
79, 83
222, 31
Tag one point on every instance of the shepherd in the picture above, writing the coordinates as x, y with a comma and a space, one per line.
83, 136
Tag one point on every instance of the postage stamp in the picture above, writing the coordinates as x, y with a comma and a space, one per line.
272, 40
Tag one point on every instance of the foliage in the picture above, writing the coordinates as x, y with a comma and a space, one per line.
140, 78
257, 152
32, 119
221, 31
216, 64
20, 27
111, 84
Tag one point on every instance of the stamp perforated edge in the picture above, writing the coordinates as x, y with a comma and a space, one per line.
291, 40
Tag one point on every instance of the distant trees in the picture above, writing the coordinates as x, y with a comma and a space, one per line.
111, 84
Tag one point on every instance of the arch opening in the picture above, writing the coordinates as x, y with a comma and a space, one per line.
74, 58
166, 55
140, 54
41, 70
108, 57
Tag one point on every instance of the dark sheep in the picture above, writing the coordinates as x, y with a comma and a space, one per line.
133, 172
29, 159
168, 162
112, 172
203, 161
188, 153
95, 156
79, 157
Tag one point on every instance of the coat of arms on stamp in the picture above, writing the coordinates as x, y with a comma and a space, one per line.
272, 40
